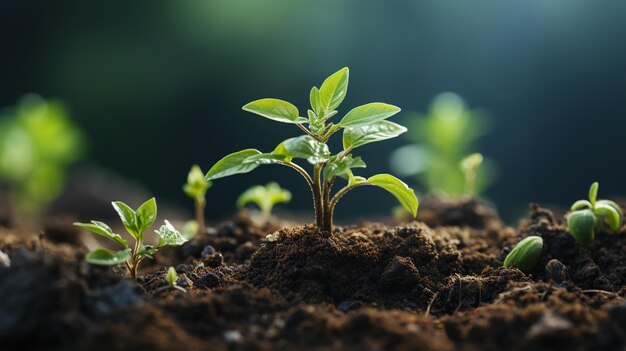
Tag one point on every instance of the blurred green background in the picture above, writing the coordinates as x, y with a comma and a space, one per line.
158, 85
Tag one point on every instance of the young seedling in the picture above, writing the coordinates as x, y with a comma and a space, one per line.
587, 216
525, 254
469, 166
196, 188
265, 197
362, 125
136, 223
172, 277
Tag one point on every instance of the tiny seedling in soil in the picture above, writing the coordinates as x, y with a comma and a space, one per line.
469, 166
196, 188
587, 216
525, 254
172, 277
362, 125
136, 223
265, 197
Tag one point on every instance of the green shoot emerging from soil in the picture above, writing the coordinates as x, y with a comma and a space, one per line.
587, 216
469, 166
362, 125
136, 223
265, 197
196, 188
525, 254
172, 277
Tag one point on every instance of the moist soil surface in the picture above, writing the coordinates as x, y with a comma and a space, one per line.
432, 284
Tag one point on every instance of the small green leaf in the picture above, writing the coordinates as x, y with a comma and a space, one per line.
147, 251
612, 204
580, 204
264, 196
525, 255
303, 147
128, 217
171, 276
340, 167
275, 109
196, 185
404, 194
314, 99
105, 257
146, 214
233, 164
368, 114
581, 225
608, 212
334, 90
169, 236
354, 137
104, 230
593, 193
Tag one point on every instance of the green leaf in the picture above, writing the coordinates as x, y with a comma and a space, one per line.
303, 147
334, 90
169, 236
609, 213
525, 255
146, 214
593, 193
340, 168
196, 185
354, 137
314, 99
171, 276
580, 204
234, 163
264, 196
404, 194
581, 225
104, 230
147, 251
612, 204
368, 114
105, 257
128, 217
275, 109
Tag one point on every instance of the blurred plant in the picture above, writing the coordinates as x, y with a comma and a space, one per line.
469, 166
171, 277
136, 223
525, 254
442, 139
196, 188
265, 197
38, 142
588, 216
362, 125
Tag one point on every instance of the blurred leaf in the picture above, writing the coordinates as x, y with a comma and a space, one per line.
609, 213
105, 257
525, 254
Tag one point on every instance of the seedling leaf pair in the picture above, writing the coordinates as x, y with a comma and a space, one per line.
265, 197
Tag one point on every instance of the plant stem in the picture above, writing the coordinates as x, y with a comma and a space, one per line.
200, 205
318, 189
328, 216
339, 195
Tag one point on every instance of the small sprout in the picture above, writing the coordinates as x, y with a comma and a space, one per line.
172, 277
469, 166
265, 197
361, 126
525, 254
587, 216
196, 188
136, 223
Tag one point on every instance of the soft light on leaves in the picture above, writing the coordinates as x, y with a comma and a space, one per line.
525, 255
171, 276
593, 193
339, 167
264, 196
196, 185
368, 114
190, 229
304, 147
105, 257
275, 109
580, 204
104, 230
169, 236
314, 99
334, 90
404, 194
581, 225
471, 162
146, 215
234, 163
354, 137
128, 217
612, 204
609, 213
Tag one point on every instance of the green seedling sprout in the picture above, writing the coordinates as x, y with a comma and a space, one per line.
172, 277
196, 188
469, 166
265, 197
525, 255
587, 216
362, 125
136, 223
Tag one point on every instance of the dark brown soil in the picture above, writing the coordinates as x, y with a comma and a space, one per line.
431, 285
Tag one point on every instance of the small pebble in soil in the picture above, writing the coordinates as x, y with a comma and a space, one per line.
209, 280
557, 271
207, 250
5, 261
213, 260
184, 281
232, 336
550, 325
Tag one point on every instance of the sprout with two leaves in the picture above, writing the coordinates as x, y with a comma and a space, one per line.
265, 197
196, 188
362, 125
587, 216
136, 223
